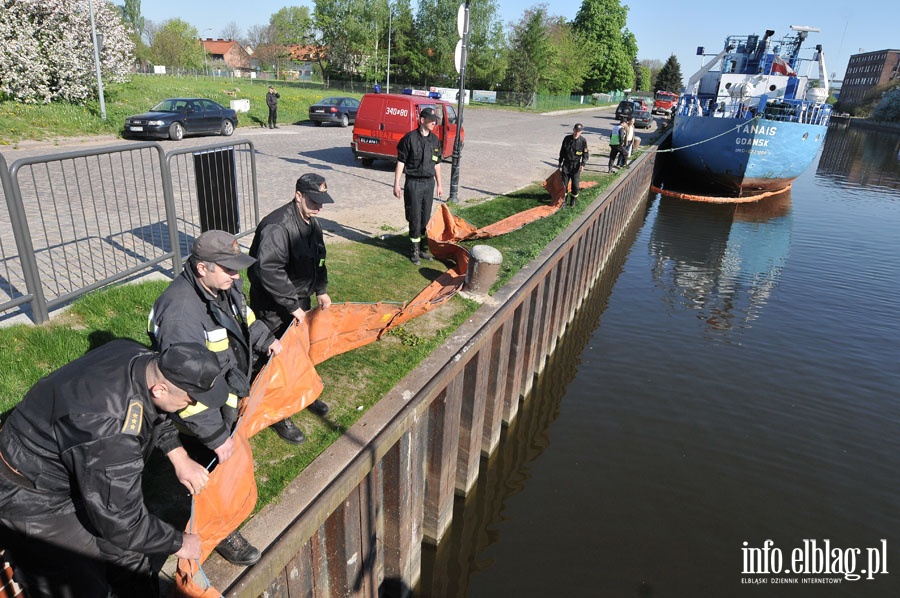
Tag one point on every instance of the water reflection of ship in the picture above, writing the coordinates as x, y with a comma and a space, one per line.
723, 261
862, 156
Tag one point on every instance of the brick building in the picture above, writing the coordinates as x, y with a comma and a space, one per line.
868, 70
228, 51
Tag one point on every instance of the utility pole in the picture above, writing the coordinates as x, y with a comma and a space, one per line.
97, 43
387, 86
462, 23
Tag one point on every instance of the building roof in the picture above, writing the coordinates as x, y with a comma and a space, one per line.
219, 46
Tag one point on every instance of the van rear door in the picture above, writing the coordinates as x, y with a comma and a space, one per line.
447, 128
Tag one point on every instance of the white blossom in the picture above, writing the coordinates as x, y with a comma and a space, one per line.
47, 52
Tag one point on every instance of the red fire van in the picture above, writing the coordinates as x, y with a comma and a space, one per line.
384, 118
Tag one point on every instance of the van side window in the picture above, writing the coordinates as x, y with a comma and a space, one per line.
451, 114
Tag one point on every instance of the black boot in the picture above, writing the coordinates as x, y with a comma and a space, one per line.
237, 550
414, 253
572, 200
288, 431
424, 253
319, 408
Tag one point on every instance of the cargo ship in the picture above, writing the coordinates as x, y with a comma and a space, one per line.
755, 123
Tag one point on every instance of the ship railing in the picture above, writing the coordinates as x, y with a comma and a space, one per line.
800, 111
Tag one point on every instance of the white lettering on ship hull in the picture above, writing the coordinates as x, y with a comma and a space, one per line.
753, 142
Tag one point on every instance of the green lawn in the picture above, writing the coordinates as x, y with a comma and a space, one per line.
52, 121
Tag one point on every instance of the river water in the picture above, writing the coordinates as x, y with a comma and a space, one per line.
724, 407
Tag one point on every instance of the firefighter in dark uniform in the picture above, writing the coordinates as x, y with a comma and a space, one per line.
573, 155
419, 155
205, 304
290, 266
72, 513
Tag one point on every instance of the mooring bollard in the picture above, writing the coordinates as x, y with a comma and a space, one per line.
483, 269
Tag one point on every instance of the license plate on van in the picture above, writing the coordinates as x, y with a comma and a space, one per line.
369, 140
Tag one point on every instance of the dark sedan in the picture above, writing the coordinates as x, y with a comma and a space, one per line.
334, 110
643, 119
176, 117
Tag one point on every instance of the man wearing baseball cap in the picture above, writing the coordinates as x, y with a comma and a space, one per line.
573, 155
289, 248
419, 156
205, 304
72, 513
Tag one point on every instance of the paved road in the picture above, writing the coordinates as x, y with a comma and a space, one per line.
504, 151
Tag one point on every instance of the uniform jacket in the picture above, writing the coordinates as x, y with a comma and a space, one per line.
573, 152
290, 265
187, 312
272, 99
419, 154
83, 434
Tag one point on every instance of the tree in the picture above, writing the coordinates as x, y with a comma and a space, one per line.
437, 36
177, 43
347, 28
530, 53
291, 26
486, 45
613, 48
569, 64
405, 55
669, 77
48, 54
233, 32
643, 78
131, 15
888, 109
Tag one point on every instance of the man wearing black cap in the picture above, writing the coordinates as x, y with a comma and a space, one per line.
72, 513
205, 304
573, 155
419, 155
290, 267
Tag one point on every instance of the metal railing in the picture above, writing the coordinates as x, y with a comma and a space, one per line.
85, 219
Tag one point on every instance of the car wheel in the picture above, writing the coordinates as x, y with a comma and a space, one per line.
368, 161
176, 132
345, 120
318, 123
227, 128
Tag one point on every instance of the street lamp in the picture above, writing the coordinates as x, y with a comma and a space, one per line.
390, 24
205, 53
98, 41
462, 24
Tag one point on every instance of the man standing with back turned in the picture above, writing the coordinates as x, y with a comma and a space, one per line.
72, 513
290, 266
573, 155
419, 155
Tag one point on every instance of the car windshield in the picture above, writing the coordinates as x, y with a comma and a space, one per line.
169, 106
330, 102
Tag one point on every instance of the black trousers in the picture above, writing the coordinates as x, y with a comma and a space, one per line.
418, 198
614, 151
57, 557
273, 115
278, 320
569, 172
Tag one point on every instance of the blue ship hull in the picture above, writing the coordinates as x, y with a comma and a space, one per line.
745, 156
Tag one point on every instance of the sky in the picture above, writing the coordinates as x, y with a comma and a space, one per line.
661, 28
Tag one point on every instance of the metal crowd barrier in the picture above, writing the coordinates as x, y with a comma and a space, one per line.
85, 219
